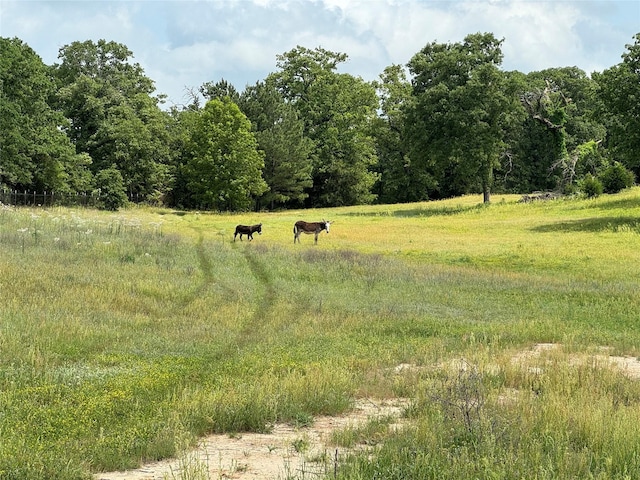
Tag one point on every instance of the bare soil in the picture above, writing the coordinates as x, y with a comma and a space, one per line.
628, 365
276, 455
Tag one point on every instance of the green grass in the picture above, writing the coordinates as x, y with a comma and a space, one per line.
124, 337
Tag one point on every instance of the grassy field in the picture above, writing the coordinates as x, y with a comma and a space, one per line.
122, 335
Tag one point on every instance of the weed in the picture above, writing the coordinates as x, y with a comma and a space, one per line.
462, 401
302, 420
300, 445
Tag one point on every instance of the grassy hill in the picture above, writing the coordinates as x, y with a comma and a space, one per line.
123, 334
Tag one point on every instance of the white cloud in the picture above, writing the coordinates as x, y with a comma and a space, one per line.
186, 43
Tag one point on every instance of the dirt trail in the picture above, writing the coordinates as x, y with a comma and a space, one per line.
274, 456
265, 456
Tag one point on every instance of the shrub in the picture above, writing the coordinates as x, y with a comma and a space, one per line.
591, 186
110, 188
616, 178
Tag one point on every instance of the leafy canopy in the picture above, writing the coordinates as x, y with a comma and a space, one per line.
224, 168
463, 105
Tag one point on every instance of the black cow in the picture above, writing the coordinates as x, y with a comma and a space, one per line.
247, 230
309, 228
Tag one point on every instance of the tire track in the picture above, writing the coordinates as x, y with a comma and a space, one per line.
206, 267
265, 303
252, 325
208, 279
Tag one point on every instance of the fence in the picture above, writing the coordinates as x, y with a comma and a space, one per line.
35, 199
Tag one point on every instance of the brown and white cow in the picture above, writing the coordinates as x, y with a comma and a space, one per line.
247, 230
309, 228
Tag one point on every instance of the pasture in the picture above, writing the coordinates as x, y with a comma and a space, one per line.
126, 336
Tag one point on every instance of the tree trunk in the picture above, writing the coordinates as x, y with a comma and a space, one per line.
487, 176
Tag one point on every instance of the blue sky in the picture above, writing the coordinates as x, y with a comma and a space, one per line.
183, 44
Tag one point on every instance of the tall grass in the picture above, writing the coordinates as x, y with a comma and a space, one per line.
122, 334
572, 424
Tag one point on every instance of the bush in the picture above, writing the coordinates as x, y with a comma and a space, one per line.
591, 186
109, 186
616, 178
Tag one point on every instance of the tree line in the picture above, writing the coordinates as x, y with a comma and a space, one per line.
449, 122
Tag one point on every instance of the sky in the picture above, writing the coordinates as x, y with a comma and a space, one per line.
181, 44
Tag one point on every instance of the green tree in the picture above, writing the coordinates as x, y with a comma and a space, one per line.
109, 188
463, 106
589, 157
280, 135
547, 117
619, 91
224, 167
114, 118
184, 122
219, 90
560, 105
338, 111
35, 152
401, 179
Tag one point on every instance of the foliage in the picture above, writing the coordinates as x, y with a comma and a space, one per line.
223, 171
400, 180
337, 110
220, 90
462, 107
619, 89
114, 118
616, 178
591, 186
35, 152
589, 158
110, 189
280, 135
559, 141
450, 122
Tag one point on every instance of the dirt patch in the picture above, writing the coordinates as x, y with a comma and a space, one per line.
629, 366
280, 454
307, 452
